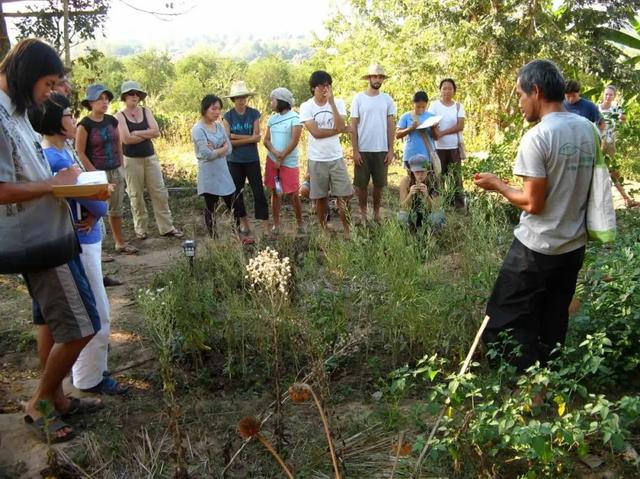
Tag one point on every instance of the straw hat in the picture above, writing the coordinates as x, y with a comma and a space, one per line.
239, 88
131, 85
374, 69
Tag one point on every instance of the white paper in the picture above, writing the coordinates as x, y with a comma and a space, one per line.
429, 122
92, 178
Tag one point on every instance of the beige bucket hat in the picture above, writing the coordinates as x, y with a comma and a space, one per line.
239, 88
129, 86
374, 69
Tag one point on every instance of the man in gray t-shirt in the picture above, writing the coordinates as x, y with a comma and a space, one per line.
538, 277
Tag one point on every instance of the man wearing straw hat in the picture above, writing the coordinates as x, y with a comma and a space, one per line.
242, 124
372, 134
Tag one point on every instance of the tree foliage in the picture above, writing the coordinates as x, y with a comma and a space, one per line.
480, 43
48, 22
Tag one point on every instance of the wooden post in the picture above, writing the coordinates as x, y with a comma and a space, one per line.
67, 48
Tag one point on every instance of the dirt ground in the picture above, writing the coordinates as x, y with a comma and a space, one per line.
131, 358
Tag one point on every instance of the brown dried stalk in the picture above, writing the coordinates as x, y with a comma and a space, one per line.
249, 427
300, 392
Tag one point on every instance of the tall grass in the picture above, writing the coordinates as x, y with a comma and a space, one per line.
404, 294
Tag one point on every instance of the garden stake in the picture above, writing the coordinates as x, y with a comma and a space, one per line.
249, 428
299, 392
464, 367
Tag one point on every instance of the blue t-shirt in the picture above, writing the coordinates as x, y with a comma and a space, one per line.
58, 160
584, 108
281, 127
243, 125
414, 144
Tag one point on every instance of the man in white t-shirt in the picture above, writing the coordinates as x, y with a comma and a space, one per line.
538, 277
324, 117
372, 134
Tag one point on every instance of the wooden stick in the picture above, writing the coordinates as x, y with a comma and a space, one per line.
464, 367
273, 452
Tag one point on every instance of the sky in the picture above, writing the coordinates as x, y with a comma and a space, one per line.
261, 18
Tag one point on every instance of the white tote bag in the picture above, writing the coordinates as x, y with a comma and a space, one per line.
601, 216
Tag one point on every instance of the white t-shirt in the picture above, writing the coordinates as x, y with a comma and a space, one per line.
450, 115
561, 148
372, 113
322, 149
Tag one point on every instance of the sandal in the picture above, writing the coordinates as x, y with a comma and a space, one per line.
247, 240
126, 249
175, 233
81, 406
107, 258
54, 424
108, 386
142, 236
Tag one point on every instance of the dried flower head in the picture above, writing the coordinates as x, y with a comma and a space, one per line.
268, 272
249, 427
300, 392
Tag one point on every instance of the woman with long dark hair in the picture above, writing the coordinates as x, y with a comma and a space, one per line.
37, 237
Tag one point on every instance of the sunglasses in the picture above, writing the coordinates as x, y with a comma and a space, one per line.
133, 93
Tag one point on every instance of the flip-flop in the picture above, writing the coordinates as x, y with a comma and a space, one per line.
126, 249
175, 233
80, 406
54, 424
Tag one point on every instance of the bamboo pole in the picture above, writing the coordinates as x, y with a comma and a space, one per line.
463, 369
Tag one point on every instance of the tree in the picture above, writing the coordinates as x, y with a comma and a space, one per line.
153, 69
480, 43
46, 21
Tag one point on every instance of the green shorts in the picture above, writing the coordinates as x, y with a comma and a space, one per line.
372, 167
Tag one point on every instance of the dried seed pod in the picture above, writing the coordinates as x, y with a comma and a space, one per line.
249, 427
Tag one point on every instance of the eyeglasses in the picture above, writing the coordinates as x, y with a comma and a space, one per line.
133, 93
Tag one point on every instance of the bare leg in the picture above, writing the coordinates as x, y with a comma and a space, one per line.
615, 176
275, 207
244, 221
297, 208
321, 211
45, 343
116, 229
58, 363
377, 201
362, 201
342, 212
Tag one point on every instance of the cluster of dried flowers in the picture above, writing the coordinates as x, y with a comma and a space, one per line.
269, 273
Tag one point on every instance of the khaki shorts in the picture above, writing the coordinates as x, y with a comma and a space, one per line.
609, 148
329, 175
116, 201
372, 167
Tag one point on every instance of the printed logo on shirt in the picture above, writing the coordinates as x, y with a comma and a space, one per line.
324, 119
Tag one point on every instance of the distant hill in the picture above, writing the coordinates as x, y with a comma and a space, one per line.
240, 46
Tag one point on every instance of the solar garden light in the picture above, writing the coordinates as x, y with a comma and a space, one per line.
189, 248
